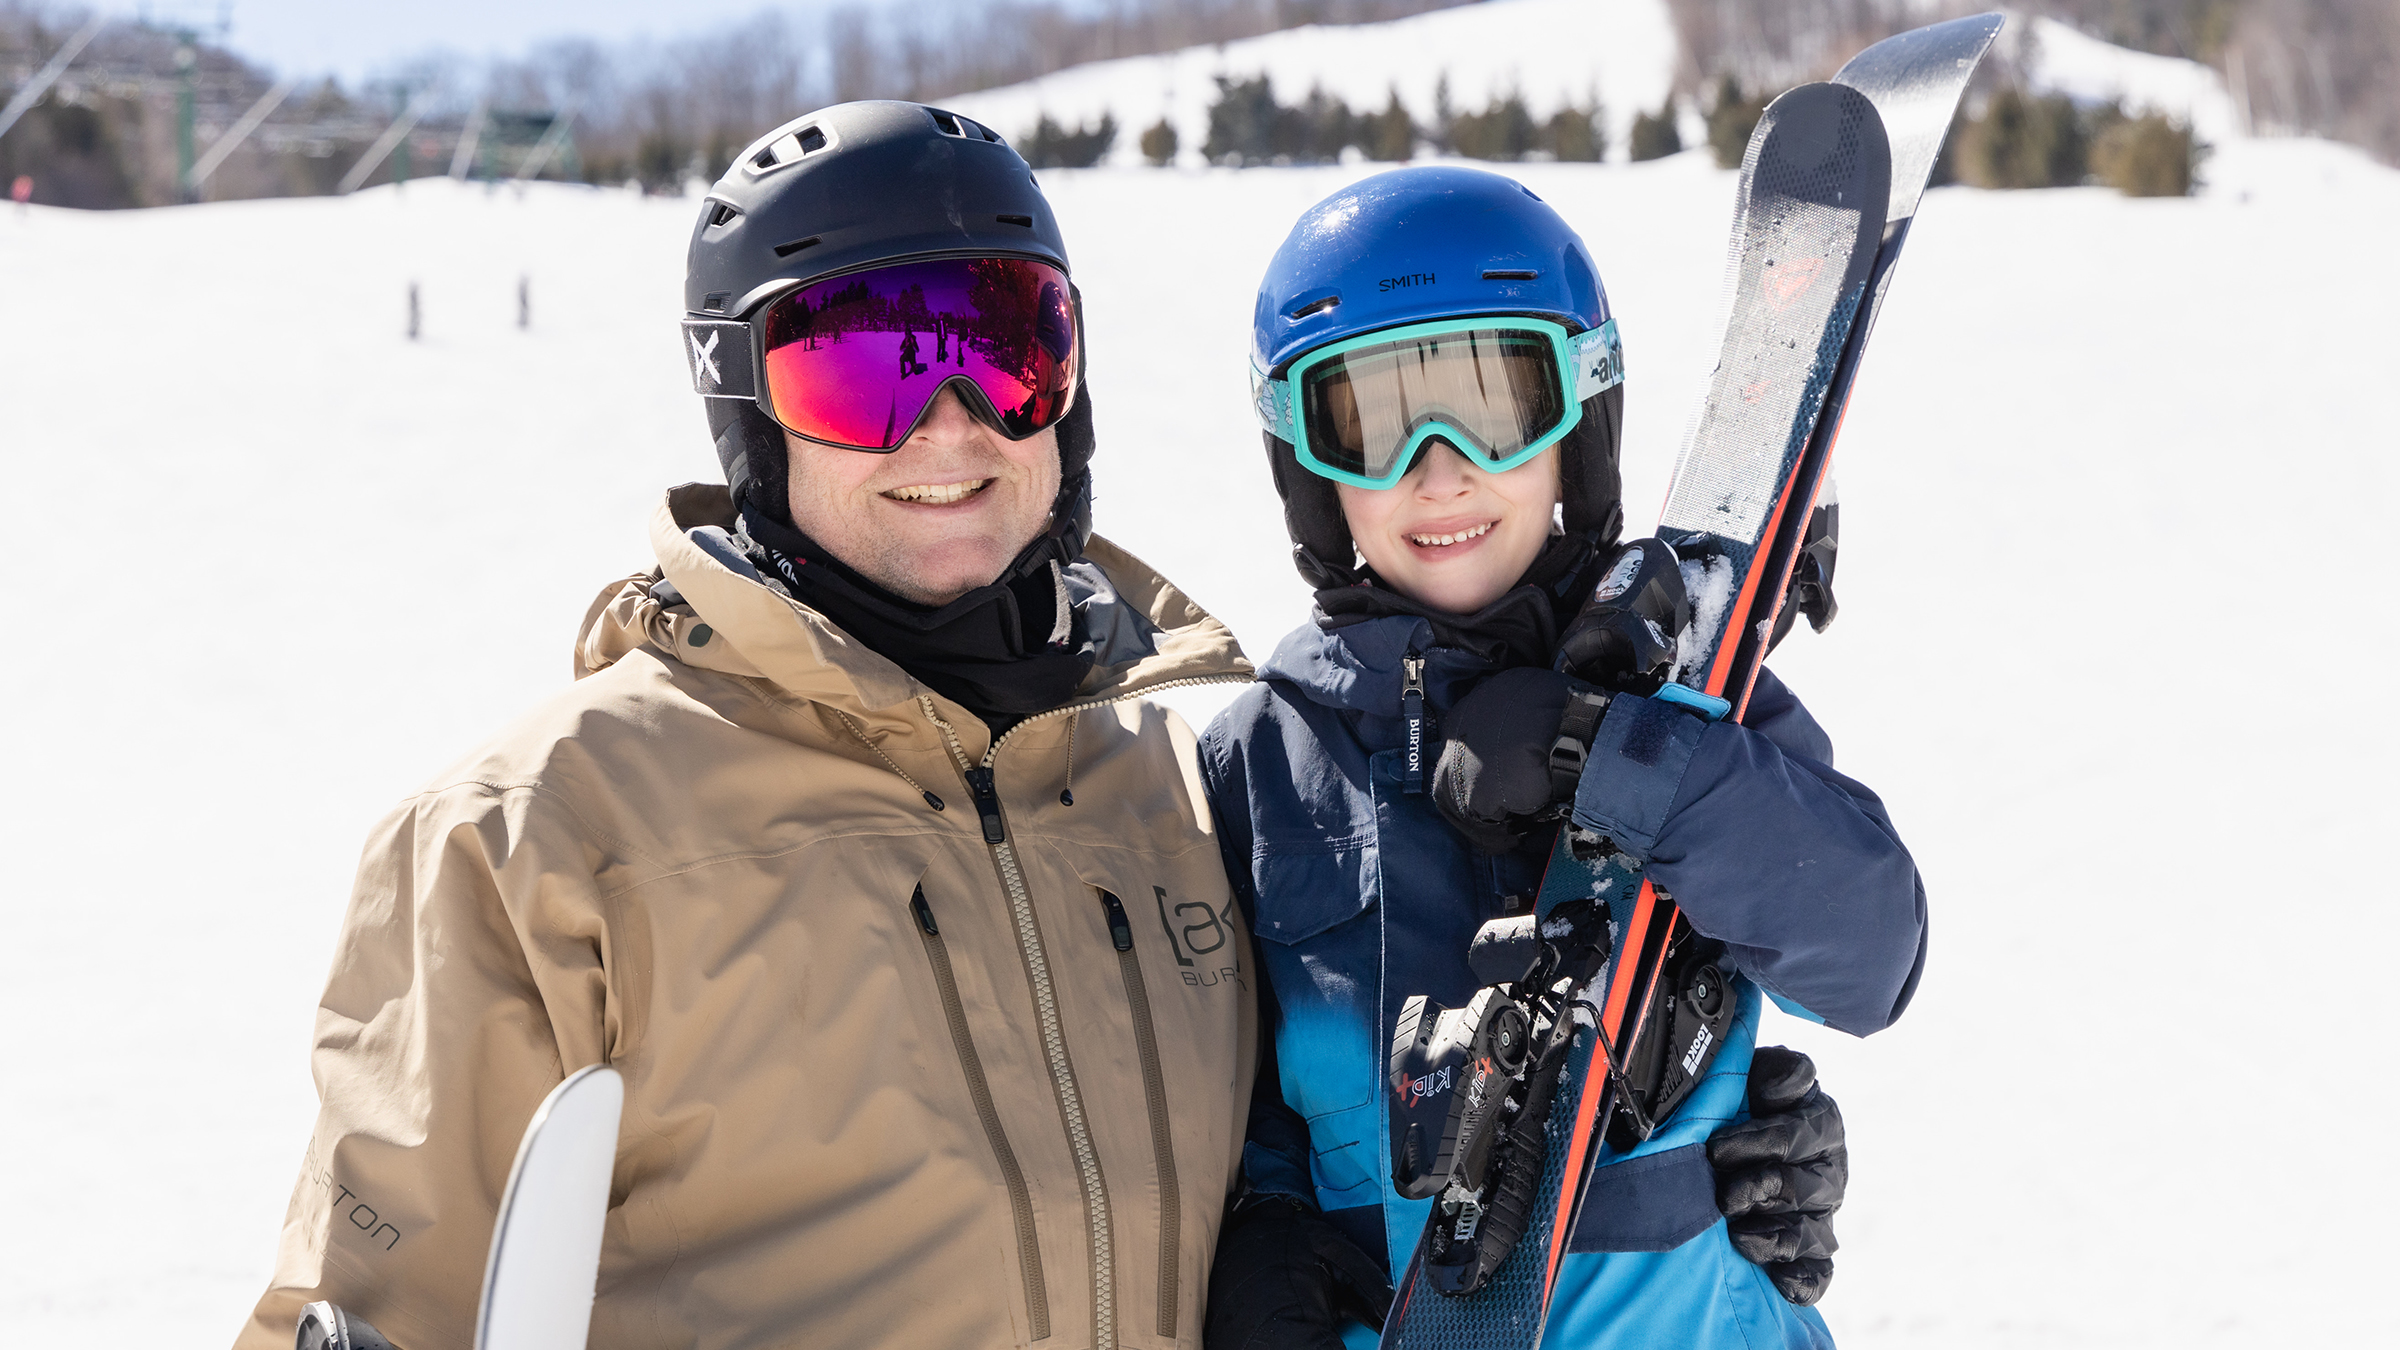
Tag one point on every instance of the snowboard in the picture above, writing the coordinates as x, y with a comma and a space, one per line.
1828, 187
545, 1260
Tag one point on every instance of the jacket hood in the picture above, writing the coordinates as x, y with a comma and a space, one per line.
705, 605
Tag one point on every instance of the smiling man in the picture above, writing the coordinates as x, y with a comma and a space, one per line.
855, 847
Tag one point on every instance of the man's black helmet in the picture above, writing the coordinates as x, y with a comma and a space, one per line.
853, 186
856, 185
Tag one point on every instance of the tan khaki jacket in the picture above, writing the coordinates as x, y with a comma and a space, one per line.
897, 1075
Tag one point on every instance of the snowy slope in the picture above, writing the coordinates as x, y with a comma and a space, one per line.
2058, 59
1552, 52
2111, 605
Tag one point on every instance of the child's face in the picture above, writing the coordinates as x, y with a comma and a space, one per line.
1450, 535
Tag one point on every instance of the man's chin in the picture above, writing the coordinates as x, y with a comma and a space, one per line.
939, 580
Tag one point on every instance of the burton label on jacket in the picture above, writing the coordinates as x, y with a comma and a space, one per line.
1829, 185
545, 1261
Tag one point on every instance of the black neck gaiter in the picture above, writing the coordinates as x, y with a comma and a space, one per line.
1521, 628
1003, 651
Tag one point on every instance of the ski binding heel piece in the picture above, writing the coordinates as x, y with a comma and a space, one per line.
324, 1326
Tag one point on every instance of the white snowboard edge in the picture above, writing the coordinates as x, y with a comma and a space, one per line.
539, 1280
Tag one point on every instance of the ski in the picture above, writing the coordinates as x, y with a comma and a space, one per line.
545, 1259
1829, 185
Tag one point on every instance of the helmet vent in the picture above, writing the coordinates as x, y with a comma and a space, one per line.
1026, 221
720, 212
1314, 304
787, 250
1511, 274
951, 124
788, 149
716, 302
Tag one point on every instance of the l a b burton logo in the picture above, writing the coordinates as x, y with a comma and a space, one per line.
1194, 929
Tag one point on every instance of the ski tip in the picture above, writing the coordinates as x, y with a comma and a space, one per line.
1965, 40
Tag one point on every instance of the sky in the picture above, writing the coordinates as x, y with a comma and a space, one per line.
353, 39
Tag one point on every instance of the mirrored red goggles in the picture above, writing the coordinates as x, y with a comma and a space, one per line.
1500, 389
855, 360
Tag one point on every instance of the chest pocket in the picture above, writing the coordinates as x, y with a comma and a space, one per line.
1305, 889
1321, 946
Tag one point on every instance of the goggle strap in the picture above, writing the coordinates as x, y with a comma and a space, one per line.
719, 353
1271, 400
1599, 361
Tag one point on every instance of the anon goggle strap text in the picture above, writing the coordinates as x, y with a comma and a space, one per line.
1599, 360
718, 352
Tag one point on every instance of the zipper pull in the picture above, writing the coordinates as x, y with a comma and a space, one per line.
924, 913
987, 805
1412, 709
1120, 928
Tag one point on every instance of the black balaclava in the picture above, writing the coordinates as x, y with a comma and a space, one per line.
1004, 651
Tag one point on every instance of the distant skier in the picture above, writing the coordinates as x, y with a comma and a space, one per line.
908, 354
1446, 452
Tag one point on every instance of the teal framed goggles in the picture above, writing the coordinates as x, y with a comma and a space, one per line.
1501, 388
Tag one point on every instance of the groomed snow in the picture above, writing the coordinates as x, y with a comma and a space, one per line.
2114, 626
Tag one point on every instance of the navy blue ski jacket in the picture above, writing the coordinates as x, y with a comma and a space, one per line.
1361, 895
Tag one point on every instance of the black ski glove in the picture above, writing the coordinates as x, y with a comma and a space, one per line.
1781, 1174
1625, 636
1493, 779
1284, 1279
1514, 746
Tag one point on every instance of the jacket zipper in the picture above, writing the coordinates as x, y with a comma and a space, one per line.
1020, 1200
985, 791
1412, 711
1162, 1137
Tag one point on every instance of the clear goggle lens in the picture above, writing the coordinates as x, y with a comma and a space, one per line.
1500, 390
